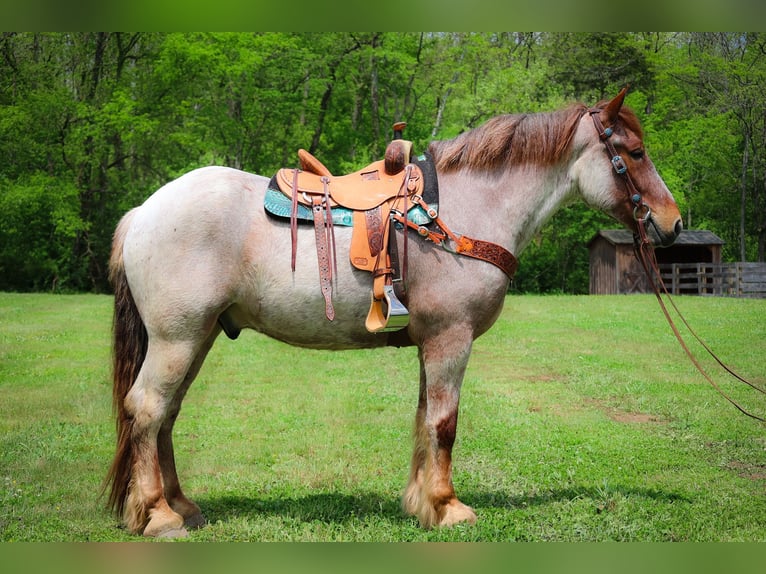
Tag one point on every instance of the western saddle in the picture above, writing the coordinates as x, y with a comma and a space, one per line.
386, 192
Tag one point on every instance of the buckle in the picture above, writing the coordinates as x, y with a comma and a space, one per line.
619, 164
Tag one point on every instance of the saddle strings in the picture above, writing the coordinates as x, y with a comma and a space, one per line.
329, 229
406, 188
294, 219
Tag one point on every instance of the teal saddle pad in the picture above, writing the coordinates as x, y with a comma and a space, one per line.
279, 205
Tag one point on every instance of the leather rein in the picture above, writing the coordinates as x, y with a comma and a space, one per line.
644, 252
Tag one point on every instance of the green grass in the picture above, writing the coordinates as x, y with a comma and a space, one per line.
581, 420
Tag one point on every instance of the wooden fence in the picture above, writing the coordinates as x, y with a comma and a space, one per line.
721, 279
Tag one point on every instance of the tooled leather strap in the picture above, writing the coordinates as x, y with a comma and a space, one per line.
323, 256
373, 218
492, 253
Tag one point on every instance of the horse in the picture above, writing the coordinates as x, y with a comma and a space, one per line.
201, 253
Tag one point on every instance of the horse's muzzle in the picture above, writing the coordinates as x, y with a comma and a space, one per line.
665, 237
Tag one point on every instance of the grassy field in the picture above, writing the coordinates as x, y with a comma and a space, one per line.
581, 420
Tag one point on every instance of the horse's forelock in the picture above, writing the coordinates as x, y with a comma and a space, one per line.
541, 138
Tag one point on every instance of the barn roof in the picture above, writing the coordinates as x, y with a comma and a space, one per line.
687, 237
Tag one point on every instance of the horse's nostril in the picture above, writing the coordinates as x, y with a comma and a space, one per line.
679, 227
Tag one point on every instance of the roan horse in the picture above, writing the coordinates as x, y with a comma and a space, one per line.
201, 251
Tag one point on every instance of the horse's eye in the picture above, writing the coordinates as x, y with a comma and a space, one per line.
637, 153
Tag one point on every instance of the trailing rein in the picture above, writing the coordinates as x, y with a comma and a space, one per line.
644, 252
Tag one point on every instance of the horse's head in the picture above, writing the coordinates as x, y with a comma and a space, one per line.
615, 174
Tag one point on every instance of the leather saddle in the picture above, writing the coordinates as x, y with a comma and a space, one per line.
370, 195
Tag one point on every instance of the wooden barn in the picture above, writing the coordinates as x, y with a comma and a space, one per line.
614, 269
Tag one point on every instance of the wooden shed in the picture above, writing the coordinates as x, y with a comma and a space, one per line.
614, 269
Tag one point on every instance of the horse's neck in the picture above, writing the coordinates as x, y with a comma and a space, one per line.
536, 200
508, 208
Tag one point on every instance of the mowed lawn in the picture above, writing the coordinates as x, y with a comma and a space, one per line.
581, 420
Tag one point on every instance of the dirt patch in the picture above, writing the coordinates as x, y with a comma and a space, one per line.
748, 470
628, 417
622, 416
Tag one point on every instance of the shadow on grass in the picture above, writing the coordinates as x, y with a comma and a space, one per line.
594, 493
322, 507
340, 507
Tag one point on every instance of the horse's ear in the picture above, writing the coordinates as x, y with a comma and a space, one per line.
612, 109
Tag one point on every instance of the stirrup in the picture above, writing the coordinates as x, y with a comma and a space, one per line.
387, 314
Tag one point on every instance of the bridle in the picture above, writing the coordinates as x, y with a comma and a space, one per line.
644, 252
621, 168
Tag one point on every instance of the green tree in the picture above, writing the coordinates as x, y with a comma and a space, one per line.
710, 120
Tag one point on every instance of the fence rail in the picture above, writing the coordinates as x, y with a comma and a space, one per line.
721, 279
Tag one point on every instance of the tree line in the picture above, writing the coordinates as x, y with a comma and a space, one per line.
91, 123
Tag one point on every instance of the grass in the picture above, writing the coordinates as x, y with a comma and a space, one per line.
581, 420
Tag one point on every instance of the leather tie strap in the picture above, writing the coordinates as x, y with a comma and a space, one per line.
294, 219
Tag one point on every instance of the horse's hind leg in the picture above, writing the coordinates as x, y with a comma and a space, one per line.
149, 404
430, 494
173, 494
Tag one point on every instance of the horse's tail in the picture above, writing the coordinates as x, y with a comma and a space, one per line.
128, 353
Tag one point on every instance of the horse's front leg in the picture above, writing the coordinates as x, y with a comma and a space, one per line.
430, 494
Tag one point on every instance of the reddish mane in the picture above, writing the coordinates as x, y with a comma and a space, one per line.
540, 139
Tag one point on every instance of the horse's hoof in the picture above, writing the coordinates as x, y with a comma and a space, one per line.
166, 525
173, 533
455, 513
195, 521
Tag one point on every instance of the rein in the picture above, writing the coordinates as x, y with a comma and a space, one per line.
644, 252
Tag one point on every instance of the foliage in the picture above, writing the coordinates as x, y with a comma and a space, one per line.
40, 221
92, 122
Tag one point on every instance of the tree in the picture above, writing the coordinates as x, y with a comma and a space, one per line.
594, 66
715, 111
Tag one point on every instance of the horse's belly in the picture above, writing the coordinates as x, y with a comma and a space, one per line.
292, 309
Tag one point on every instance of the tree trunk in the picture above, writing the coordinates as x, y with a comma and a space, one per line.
375, 99
743, 197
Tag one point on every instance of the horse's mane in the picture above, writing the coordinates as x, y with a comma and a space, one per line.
539, 138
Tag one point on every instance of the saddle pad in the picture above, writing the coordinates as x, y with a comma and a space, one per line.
430, 181
278, 204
